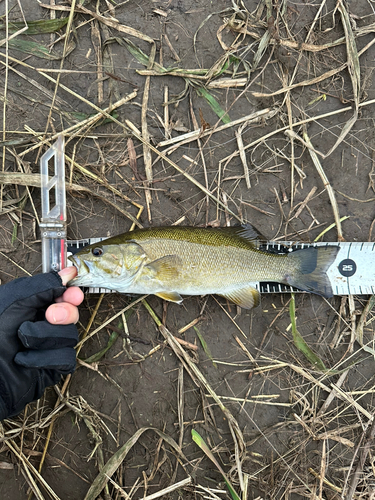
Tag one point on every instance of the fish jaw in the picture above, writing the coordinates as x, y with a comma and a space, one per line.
80, 265
85, 272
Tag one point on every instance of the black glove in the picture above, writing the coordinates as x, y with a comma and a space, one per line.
33, 353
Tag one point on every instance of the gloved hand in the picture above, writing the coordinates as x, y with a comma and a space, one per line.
36, 341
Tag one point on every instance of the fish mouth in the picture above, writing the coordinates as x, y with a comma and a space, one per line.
83, 269
76, 262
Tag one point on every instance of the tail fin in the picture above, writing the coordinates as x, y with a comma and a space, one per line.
311, 265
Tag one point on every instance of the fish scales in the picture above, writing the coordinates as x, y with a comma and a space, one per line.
213, 268
170, 261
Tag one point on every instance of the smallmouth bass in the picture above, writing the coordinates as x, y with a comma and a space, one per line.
174, 261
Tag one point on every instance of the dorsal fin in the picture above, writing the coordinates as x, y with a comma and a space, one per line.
247, 232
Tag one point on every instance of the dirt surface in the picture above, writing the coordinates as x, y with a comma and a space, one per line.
288, 429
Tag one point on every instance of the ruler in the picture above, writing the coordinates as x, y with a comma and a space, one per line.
352, 272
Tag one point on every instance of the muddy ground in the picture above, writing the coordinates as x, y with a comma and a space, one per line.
302, 432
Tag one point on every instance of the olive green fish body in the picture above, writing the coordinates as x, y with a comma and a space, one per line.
202, 269
174, 261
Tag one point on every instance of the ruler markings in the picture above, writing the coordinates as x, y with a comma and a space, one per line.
352, 272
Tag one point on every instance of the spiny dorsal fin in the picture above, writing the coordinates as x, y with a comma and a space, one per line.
247, 232
171, 296
246, 297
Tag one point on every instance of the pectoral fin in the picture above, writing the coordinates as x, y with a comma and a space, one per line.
247, 297
166, 268
171, 296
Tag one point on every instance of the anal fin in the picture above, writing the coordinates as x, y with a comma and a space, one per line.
171, 296
246, 297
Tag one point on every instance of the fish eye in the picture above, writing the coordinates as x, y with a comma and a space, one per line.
97, 251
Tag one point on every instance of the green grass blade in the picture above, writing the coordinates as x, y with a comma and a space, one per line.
14, 234
118, 458
98, 355
215, 106
36, 27
205, 346
136, 52
33, 48
143, 59
299, 341
112, 339
197, 438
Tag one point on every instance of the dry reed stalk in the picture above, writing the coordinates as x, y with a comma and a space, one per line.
361, 323
180, 403
32, 474
82, 126
332, 394
293, 135
226, 83
111, 23
352, 402
327, 185
116, 460
169, 489
199, 380
167, 130
33, 82
365, 451
199, 133
66, 41
228, 158
291, 160
34, 180
241, 149
147, 158
129, 126
354, 71
5, 97
15, 264
101, 181
301, 206
171, 48
255, 400
88, 336
97, 44
67, 382
195, 124
311, 30
312, 81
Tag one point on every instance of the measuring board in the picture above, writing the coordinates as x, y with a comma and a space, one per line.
352, 272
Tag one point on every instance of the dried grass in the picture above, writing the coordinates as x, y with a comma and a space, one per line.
321, 448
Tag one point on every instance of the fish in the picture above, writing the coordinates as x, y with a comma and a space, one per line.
180, 260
